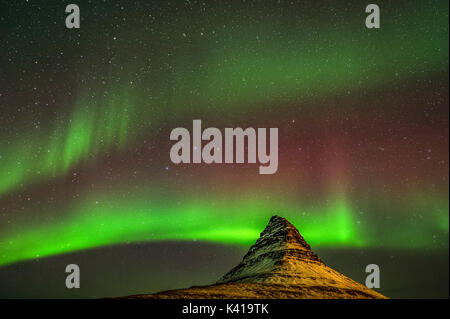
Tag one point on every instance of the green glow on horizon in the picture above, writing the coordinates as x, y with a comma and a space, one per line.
102, 223
118, 218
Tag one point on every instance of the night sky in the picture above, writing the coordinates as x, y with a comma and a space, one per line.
86, 114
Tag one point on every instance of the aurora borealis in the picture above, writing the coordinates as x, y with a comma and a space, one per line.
85, 118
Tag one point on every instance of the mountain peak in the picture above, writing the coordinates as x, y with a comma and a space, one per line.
280, 264
282, 230
279, 246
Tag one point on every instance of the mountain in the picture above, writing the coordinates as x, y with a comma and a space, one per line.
281, 265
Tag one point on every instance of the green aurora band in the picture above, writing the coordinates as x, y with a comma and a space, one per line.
128, 221
123, 218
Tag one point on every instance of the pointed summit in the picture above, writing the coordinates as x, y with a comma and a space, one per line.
281, 265
282, 230
278, 247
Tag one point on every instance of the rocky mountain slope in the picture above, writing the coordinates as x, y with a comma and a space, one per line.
280, 264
